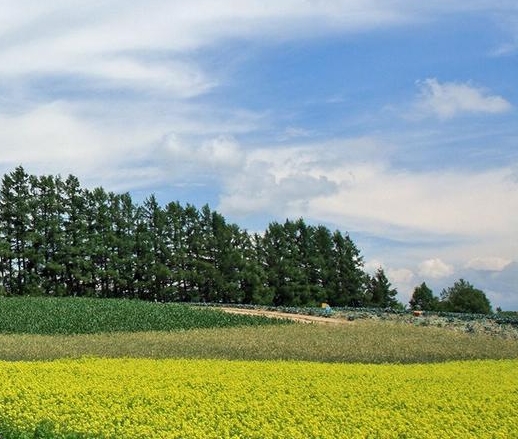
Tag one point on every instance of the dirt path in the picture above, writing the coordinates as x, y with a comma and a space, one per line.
286, 315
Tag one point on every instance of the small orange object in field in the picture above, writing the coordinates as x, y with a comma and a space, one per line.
418, 313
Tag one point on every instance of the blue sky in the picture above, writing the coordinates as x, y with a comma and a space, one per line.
391, 120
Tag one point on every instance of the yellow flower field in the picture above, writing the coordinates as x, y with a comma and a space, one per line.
140, 398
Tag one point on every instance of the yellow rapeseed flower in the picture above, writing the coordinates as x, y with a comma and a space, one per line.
143, 398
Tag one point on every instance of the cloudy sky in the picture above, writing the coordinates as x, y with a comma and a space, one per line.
393, 120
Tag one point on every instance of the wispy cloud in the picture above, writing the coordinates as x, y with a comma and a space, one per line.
449, 99
135, 43
294, 133
488, 263
509, 25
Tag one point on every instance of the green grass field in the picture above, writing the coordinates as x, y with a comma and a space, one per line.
46, 329
50, 316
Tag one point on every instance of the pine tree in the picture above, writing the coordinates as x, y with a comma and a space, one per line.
253, 278
144, 257
16, 219
275, 257
47, 234
74, 254
99, 241
379, 292
121, 262
423, 299
58, 238
177, 244
321, 265
347, 278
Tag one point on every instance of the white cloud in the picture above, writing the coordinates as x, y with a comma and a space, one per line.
372, 265
53, 139
435, 268
122, 147
505, 49
450, 99
142, 44
278, 182
491, 263
400, 275
220, 155
334, 184
403, 280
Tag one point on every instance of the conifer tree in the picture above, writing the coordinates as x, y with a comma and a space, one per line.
347, 278
380, 292
47, 238
423, 299
16, 218
74, 252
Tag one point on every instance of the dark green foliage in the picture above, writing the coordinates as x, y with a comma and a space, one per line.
423, 299
307, 265
58, 239
43, 315
463, 297
379, 292
346, 276
18, 255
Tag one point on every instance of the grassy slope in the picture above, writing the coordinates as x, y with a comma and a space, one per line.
36, 328
360, 341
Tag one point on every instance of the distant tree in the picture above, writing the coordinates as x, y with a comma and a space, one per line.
297, 239
194, 254
423, 299
214, 246
379, 291
277, 260
321, 266
143, 256
463, 297
16, 221
157, 273
121, 244
176, 236
347, 278
253, 275
46, 236
74, 251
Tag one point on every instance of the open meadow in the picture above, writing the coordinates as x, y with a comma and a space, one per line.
74, 368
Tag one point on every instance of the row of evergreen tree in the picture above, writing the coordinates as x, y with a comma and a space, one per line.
58, 238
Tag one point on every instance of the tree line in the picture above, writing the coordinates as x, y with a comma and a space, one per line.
461, 297
58, 238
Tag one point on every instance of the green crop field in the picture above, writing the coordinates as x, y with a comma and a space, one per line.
87, 368
38, 315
